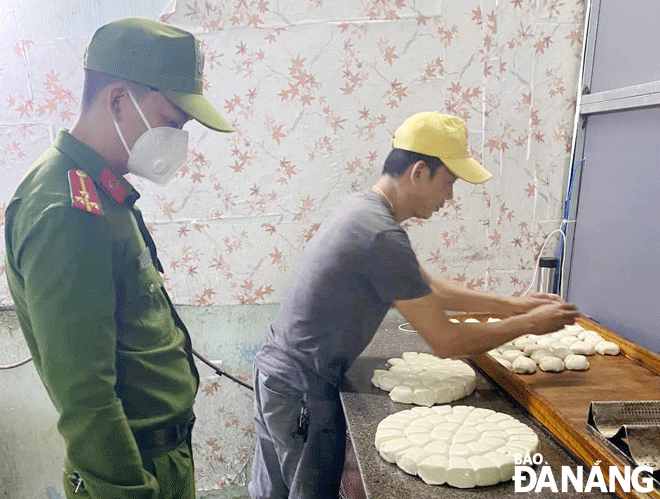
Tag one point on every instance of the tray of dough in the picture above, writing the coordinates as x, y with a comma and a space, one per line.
560, 401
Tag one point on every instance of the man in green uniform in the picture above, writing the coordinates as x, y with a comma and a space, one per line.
83, 270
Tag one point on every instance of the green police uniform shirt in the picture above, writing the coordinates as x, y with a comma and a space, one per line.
105, 339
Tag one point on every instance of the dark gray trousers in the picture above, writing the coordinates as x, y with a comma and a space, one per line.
286, 465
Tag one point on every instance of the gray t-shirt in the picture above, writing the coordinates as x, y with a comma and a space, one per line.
355, 266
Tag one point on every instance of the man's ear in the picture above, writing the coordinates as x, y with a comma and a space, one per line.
116, 97
416, 171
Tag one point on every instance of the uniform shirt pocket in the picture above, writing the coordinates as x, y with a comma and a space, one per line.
144, 316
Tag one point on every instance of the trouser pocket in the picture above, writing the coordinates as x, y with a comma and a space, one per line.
74, 484
175, 473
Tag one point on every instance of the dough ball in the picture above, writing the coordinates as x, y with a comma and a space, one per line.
505, 363
588, 334
537, 355
576, 363
493, 319
593, 340
561, 352
523, 365
551, 364
505, 347
532, 348
574, 329
471, 321
522, 342
546, 341
511, 355
607, 348
582, 348
568, 340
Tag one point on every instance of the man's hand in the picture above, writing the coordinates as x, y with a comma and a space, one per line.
523, 304
551, 317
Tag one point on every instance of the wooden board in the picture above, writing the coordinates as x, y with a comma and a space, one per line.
560, 401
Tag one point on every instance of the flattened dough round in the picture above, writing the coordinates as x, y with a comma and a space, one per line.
424, 379
462, 446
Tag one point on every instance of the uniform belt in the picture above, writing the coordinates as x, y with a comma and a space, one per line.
149, 438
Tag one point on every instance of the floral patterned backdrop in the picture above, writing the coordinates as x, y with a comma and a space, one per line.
315, 89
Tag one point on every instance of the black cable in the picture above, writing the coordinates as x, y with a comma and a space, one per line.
220, 372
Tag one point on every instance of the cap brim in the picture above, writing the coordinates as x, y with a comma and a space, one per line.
198, 108
468, 169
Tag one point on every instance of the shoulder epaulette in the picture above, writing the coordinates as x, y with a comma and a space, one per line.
83, 192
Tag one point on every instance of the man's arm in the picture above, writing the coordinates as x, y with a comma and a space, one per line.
65, 261
461, 299
427, 316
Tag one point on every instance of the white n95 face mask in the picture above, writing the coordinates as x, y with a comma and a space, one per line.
159, 153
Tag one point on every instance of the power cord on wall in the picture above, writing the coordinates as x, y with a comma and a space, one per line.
217, 370
220, 372
565, 222
536, 267
17, 364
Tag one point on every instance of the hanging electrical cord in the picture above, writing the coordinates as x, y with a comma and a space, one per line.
5, 308
17, 364
569, 192
220, 372
217, 370
536, 267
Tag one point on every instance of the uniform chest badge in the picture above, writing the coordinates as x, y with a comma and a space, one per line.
83, 193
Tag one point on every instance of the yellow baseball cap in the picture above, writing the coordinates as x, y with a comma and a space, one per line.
442, 136
157, 55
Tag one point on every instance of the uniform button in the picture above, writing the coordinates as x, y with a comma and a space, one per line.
152, 287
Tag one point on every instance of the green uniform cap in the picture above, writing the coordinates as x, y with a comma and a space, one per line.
158, 55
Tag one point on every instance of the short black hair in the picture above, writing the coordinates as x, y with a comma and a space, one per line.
95, 81
399, 160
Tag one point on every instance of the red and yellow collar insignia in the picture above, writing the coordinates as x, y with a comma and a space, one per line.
114, 187
83, 193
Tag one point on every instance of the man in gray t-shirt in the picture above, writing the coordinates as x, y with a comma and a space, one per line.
356, 266
352, 270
